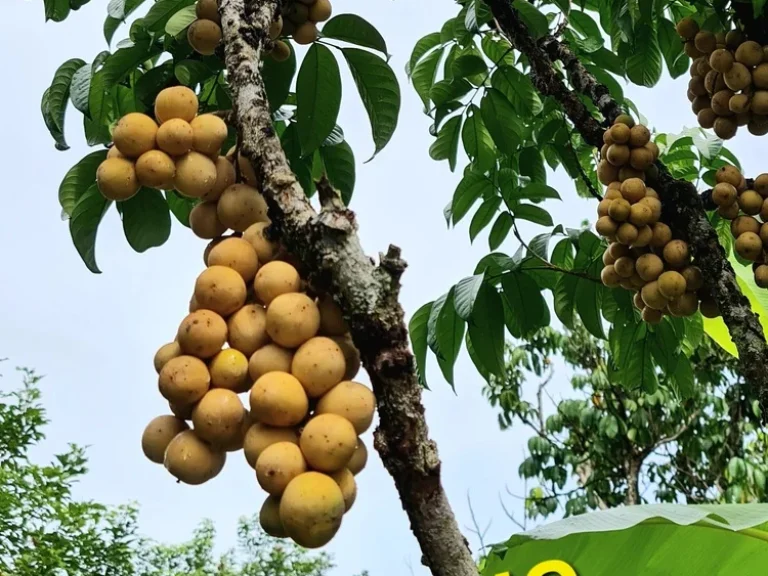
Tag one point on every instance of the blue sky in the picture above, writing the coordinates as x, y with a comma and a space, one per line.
94, 336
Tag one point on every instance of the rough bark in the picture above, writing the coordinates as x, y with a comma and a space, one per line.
633, 483
328, 246
683, 208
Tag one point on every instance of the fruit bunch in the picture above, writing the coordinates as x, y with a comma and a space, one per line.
204, 34
729, 80
298, 20
254, 329
642, 256
742, 205
177, 149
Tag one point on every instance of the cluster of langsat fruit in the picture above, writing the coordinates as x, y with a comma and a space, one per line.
175, 150
204, 33
741, 205
642, 257
298, 20
254, 329
729, 80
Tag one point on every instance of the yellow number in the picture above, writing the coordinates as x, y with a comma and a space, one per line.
552, 567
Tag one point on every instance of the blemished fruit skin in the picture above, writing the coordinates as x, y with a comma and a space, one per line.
269, 518
221, 289
176, 102
672, 284
209, 132
311, 509
319, 365
749, 246
116, 179
281, 51
204, 36
196, 177
225, 177
278, 399
260, 436
328, 442
676, 253
184, 380
761, 276
155, 169
204, 221
191, 460
352, 401
135, 134
269, 358
208, 10
240, 206
359, 458
346, 481
649, 267
165, 353
202, 333
292, 319
265, 249
277, 465
218, 417
158, 434
247, 329
237, 254
229, 369
275, 278
610, 277
175, 137
652, 296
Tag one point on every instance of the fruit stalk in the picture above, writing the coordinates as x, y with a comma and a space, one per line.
683, 208
368, 294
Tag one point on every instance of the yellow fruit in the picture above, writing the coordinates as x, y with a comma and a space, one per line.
620, 133
352, 401
724, 194
158, 434
275, 278
237, 254
225, 177
220, 289
117, 179
229, 369
328, 442
617, 154
135, 134
319, 365
652, 296
721, 60
320, 11
743, 224
676, 253
277, 465
640, 158
749, 53
633, 190
278, 399
181, 411
311, 509
113, 152
351, 355
627, 233
655, 205
176, 102
641, 214
204, 221
608, 260
607, 172
750, 202
246, 170
208, 10
729, 174
269, 358
155, 169
639, 136
269, 518
247, 329
649, 267
346, 481
175, 137
265, 249
606, 226
191, 460
292, 319
619, 210
204, 36
218, 417
165, 353
610, 277
209, 132
359, 458
671, 284
306, 33
260, 436
644, 237
749, 246
603, 207
662, 235
196, 176
184, 380
202, 333
761, 276
240, 206
625, 266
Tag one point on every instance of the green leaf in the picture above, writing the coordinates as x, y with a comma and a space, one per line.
682, 378
446, 146
644, 64
608, 60
339, 163
57, 96
535, 214
162, 11
536, 191
180, 206
527, 307
585, 25
671, 48
355, 30
423, 76
318, 94
52, 123
146, 220
518, 89
192, 72
757, 7
465, 293
447, 90
149, 85
79, 179
110, 27
379, 91
500, 230
486, 329
181, 20
448, 335
424, 45
100, 108
589, 299
483, 216
84, 224
639, 373
125, 60
300, 165
56, 10
535, 21
477, 14
498, 50
477, 141
471, 187
532, 165
278, 77
468, 65
80, 87
417, 330
500, 118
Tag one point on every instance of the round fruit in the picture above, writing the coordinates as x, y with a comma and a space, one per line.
155, 169
276, 27
729, 174
627, 233
724, 194
761, 185
761, 276
671, 284
192, 460
696, 87
620, 133
225, 177
757, 128
619, 210
305, 34
209, 132
610, 277
184, 380
158, 434
764, 234
607, 172
218, 416
738, 77
709, 308
311, 509
637, 300
685, 305
617, 154
346, 481
278, 399
204, 221
297, 13
319, 365
351, 355
633, 190
644, 237
202, 333
725, 128
165, 353
743, 224
739, 103
292, 319
269, 358
721, 60
260, 436
702, 66
706, 118
749, 246
701, 103
176, 102
687, 28
247, 329
269, 518
208, 10
135, 134
328, 442
116, 179
277, 465
662, 235
693, 278
196, 177
320, 11
618, 250
729, 212
237, 254
608, 260
220, 289
733, 39
240, 206
275, 278
676, 253
352, 401
331, 319
651, 315
749, 53
229, 369
649, 267
359, 458
175, 137
204, 36
246, 170
721, 103
655, 205
603, 206
641, 214
705, 41
691, 50
750, 202
640, 158
652, 296
181, 411
113, 152
265, 249
625, 266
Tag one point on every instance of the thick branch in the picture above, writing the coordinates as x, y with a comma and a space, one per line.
683, 208
327, 244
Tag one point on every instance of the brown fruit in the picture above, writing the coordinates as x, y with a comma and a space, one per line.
328, 442
671, 284
202, 333
749, 246
651, 316
627, 233
229, 369
208, 10
237, 254
176, 102
761, 185
297, 13
729, 174
637, 300
260, 436
204, 221
292, 319
135, 134
761, 276
116, 179
633, 190
184, 380
618, 250
246, 170
691, 50
209, 132
281, 51
269, 358
276, 27
725, 128
721, 102
607, 172
613, 193
743, 118
247, 329
604, 150
620, 133
721, 60
359, 458
191, 460
306, 33
662, 235
619, 210
651, 193
739, 103
641, 214
275, 278
733, 39
639, 136
617, 154
158, 434
311, 509
269, 518
706, 118
701, 103
640, 158
625, 267
757, 128
277, 465
685, 305
653, 148
240, 206
649, 267
729, 212
738, 77
653, 297
644, 237
265, 249
175, 137
764, 211
687, 28
655, 205
218, 417
165, 353
749, 53
278, 399
204, 36
724, 194
676, 253
196, 176
693, 279
709, 308
351, 355
610, 277
320, 11
760, 103
760, 76
696, 86
713, 82
702, 66
220, 289
750, 202
705, 42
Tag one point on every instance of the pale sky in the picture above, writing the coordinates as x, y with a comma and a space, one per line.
94, 336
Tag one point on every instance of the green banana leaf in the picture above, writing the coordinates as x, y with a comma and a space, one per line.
650, 540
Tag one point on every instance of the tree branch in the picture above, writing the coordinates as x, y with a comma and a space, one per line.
683, 209
327, 244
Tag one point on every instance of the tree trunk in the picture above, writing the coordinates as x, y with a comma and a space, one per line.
633, 482
328, 246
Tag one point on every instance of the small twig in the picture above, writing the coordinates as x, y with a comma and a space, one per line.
330, 199
476, 530
510, 515
582, 173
